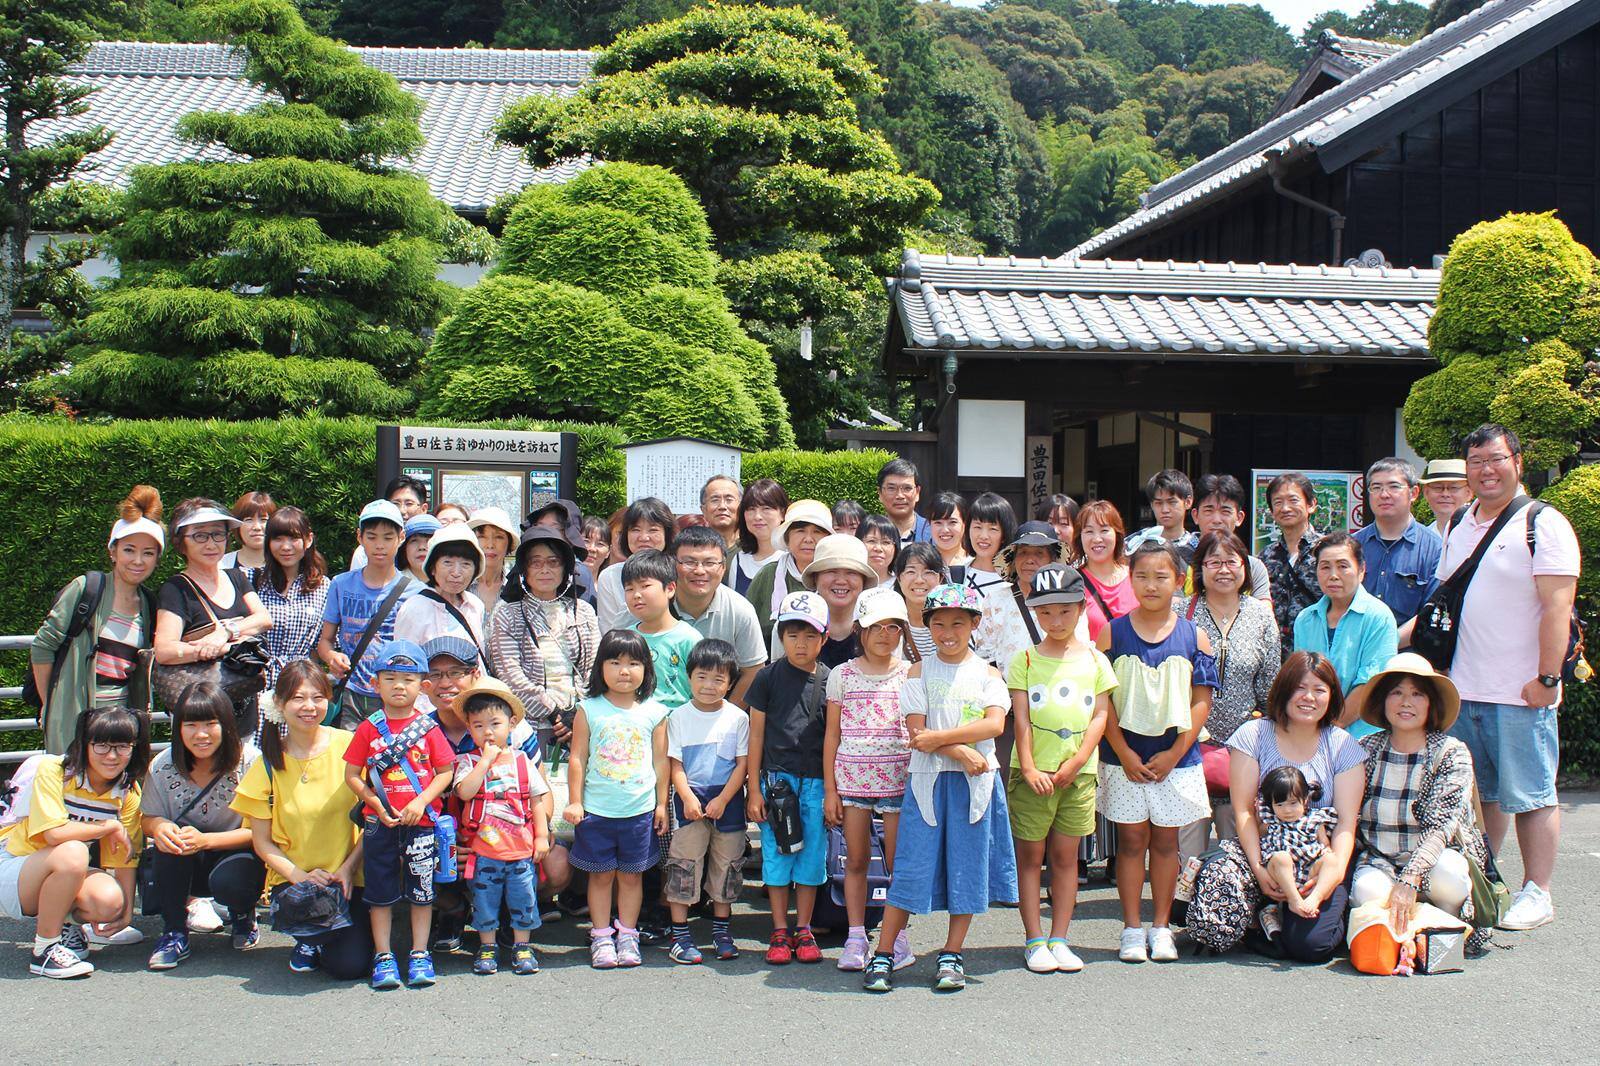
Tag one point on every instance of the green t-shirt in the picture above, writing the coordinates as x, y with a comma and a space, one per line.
1061, 698
670, 653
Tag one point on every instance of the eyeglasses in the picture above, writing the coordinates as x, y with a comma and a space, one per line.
214, 537
1487, 461
694, 565
1388, 488
722, 501
894, 488
455, 673
1221, 564
544, 564
101, 747
889, 627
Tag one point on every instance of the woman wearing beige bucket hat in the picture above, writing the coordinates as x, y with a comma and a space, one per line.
1417, 830
804, 525
839, 571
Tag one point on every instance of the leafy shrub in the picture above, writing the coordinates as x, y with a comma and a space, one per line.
1577, 496
1547, 413
825, 476
1451, 402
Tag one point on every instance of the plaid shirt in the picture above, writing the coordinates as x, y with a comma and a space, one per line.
1294, 585
296, 622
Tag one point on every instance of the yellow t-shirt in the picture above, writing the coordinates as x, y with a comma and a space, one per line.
309, 808
57, 801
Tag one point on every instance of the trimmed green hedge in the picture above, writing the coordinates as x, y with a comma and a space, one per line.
825, 476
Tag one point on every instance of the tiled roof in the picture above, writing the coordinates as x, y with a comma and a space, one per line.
1369, 95
1111, 307
146, 88
1357, 52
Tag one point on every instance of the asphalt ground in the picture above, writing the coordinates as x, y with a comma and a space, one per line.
1532, 999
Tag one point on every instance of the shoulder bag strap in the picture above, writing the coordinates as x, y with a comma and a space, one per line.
192, 804
1105, 608
205, 603
1027, 615
461, 620
373, 625
1463, 574
1194, 601
381, 721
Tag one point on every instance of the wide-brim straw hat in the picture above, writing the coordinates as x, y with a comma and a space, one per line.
1410, 664
492, 686
840, 551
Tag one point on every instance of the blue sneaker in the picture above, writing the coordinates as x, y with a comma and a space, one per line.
419, 972
685, 952
385, 972
303, 959
487, 964
170, 950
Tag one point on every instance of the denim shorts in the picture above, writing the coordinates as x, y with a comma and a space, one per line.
515, 882
1516, 752
875, 804
625, 845
399, 863
809, 865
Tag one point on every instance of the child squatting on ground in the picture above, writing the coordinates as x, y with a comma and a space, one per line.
1060, 697
787, 723
617, 783
866, 754
399, 764
708, 743
954, 852
499, 788
1295, 834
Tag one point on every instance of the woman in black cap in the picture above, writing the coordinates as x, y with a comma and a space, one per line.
543, 638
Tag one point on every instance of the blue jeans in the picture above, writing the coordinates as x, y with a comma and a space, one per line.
515, 882
1516, 752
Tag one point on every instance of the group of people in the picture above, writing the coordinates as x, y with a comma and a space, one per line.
484, 712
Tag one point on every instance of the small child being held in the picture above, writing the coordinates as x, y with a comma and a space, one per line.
866, 754
399, 764
708, 744
617, 784
787, 724
504, 823
649, 581
1295, 834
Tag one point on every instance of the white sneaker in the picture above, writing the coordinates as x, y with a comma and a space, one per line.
1163, 948
1531, 909
203, 916
1067, 960
121, 938
1039, 958
1133, 946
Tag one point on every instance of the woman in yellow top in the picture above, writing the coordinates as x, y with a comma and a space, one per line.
298, 807
73, 848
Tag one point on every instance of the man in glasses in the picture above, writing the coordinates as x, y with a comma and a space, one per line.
1511, 646
1400, 553
898, 491
712, 607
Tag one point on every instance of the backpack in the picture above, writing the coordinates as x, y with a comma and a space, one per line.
16, 795
82, 613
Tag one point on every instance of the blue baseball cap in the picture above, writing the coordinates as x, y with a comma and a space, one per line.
460, 649
422, 525
401, 657
380, 511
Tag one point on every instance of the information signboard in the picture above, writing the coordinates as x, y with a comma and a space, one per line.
517, 470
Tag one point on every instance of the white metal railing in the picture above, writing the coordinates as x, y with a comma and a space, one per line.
23, 725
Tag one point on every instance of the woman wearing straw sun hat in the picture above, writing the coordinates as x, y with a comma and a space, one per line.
804, 525
1417, 830
839, 572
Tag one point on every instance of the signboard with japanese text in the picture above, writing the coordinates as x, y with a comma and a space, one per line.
1340, 503
514, 469
675, 469
1039, 470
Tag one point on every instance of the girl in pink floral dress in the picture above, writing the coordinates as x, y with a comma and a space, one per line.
866, 754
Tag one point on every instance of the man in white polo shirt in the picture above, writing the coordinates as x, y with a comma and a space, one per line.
1509, 652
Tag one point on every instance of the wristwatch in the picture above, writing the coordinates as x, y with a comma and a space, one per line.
1549, 680
232, 628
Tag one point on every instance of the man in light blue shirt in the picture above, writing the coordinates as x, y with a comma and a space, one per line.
1401, 555
1349, 625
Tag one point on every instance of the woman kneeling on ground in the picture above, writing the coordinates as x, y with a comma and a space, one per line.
299, 812
72, 854
1417, 830
199, 839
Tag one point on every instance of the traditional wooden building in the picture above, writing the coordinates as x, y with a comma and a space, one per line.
1152, 344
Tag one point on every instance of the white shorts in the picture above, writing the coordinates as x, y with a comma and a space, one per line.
10, 874
1171, 804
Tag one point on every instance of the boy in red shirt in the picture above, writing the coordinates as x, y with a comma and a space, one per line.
399, 765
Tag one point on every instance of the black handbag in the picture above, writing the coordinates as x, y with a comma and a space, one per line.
1438, 624
148, 904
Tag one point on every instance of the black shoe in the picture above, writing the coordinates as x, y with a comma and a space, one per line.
879, 974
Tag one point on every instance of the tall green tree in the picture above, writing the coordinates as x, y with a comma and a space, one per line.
39, 41
1042, 59
296, 275
1400, 21
1444, 12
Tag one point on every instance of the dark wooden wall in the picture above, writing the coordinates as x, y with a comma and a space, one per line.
1526, 142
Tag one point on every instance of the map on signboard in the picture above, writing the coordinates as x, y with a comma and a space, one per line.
1339, 500
473, 489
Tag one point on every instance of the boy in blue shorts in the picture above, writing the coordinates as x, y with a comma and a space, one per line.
399, 765
788, 718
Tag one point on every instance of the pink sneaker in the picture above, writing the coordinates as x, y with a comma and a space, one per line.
902, 951
602, 952
854, 956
